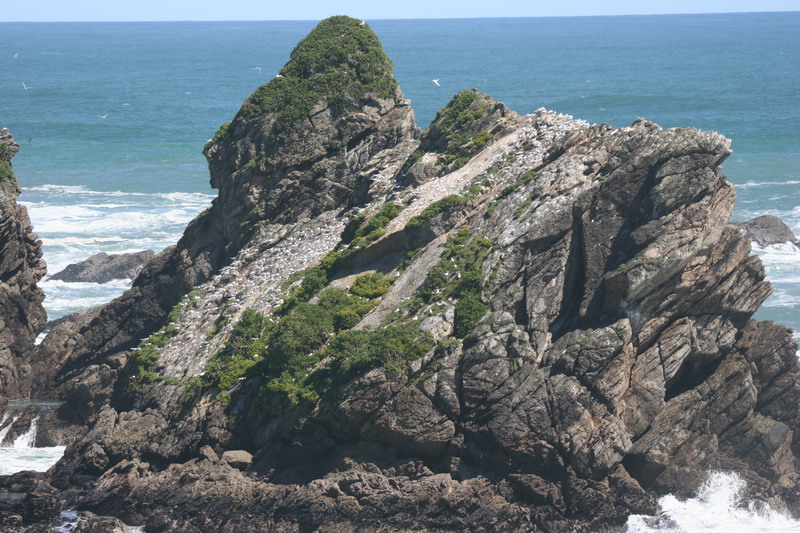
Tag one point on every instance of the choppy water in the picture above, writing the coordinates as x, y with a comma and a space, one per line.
115, 116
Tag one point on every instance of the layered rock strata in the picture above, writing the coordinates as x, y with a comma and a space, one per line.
542, 337
22, 316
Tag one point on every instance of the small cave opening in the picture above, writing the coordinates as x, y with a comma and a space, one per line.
692, 373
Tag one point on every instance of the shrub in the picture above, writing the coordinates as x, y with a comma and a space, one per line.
371, 285
340, 61
469, 310
6, 172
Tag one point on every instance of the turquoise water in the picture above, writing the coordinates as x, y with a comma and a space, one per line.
133, 179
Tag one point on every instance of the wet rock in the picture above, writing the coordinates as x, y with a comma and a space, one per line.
26, 498
100, 524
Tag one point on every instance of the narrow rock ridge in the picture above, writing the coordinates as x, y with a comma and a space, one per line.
22, 316
544, 336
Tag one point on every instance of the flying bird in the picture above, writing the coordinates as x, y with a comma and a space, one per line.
363, 22
257, 68
102, 116
15, 55
25, 86
437, 83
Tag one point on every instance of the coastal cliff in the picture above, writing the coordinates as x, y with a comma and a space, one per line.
22, 316
501, 323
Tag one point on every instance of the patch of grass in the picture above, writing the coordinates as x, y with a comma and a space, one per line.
6, 173
223, 133
354, 353
243, 350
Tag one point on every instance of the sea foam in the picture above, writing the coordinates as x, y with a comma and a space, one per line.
718, 507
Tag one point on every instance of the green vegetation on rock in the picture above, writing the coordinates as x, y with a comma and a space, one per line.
6, 173
454, 125
145, 356
340, 62
244, 349
458, 276
446, 204
371, 285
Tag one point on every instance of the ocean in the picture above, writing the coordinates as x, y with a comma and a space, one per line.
112, 117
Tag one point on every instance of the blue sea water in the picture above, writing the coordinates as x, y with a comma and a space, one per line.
112, 117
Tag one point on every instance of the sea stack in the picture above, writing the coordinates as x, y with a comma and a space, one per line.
512, 323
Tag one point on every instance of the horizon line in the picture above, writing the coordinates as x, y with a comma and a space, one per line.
399, 18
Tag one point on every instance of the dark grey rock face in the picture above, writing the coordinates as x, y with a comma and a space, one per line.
607, 355
102, 267
767, 229
22, 316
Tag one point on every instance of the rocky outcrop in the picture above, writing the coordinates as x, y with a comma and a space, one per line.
22, 316
545, 336
468, 123
102, 268
278, 161
26, 498
766, 230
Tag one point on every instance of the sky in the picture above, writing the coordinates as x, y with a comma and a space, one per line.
171, 10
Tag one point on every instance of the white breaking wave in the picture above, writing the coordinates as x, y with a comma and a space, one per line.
718, 508
27, 439
752, 183
4, 430
14, 460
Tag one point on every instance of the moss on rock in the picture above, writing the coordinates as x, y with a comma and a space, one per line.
340, 62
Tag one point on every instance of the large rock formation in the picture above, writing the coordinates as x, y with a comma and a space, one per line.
339, 114
102, 267
22, 316
544, 335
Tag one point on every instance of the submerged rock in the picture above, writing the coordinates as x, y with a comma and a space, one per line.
545, 334
102, 267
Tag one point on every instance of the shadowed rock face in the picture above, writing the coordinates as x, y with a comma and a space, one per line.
559, 331
22, 316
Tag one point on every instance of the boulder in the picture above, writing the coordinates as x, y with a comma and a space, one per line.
239, 459
102, 267
767, 229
